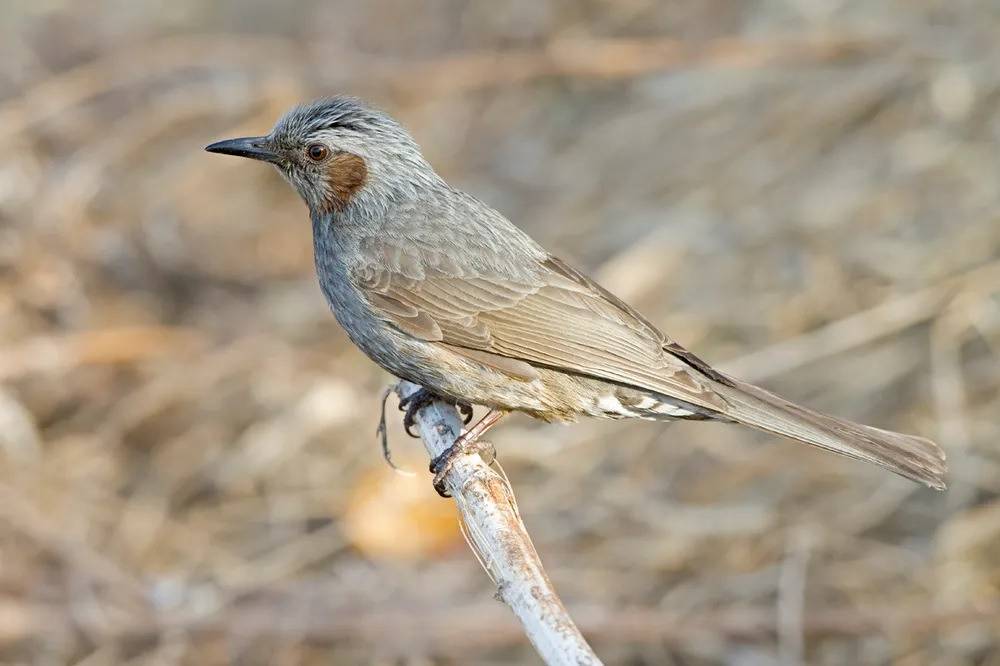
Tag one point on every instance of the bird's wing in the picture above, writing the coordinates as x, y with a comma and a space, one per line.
550, 316
545, 314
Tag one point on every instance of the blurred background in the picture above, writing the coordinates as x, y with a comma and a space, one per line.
804, 192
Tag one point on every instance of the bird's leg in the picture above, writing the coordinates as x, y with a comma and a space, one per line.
416, 401
467, 443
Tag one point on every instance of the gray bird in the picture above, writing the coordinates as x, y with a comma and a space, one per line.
440, 289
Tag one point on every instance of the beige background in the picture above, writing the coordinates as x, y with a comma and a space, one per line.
805, 192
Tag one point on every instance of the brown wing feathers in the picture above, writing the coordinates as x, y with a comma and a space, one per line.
559, 319
666, 344
556, 321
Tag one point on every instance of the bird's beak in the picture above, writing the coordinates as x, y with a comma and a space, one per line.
254, 147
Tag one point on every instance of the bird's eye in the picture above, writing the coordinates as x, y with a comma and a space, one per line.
317, 152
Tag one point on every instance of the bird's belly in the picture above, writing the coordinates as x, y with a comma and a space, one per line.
552, 396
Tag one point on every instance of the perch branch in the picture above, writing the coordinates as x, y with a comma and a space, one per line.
494, 526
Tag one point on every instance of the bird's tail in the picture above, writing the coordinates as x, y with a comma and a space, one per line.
909, 456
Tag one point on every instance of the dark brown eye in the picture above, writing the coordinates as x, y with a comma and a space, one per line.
317, 152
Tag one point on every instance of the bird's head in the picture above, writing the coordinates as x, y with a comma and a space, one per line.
338, 152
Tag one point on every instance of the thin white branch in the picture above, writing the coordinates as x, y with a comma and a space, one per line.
492, 522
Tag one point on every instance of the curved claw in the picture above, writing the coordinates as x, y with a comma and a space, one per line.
466, 410
412, 404
441, 489
409, 419
442, 464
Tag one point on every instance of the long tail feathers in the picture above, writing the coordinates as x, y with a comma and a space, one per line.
909, 456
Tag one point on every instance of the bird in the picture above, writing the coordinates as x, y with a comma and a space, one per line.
440, 289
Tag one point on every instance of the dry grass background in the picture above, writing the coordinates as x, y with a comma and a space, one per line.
803, 191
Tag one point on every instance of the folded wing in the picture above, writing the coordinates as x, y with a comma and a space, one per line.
550, 316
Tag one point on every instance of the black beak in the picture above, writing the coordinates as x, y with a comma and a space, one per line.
254, 147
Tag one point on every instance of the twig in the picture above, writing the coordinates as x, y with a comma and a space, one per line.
486, 503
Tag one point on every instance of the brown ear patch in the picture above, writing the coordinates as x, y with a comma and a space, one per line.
346, 173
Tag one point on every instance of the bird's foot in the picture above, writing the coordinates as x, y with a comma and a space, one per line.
466, 444
442, 464
416, 401
412, 404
